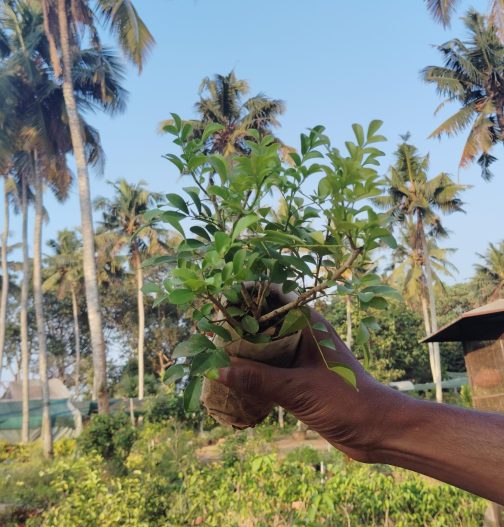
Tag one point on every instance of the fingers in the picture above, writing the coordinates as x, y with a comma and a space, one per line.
255, 378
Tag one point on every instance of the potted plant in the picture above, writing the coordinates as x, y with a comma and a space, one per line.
261, 238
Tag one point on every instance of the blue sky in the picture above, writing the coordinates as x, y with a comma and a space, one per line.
333, 63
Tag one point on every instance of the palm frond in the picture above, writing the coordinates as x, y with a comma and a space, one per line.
442, 10
98, 77
134, 37
455, 124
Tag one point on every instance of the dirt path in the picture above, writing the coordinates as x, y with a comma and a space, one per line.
281, 446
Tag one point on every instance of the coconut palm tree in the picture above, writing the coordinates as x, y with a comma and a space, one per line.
443, 10
221, 103
124, 224
64, 21
63, 270
416, 199
488, 282
472, 75
42, 140
7, 192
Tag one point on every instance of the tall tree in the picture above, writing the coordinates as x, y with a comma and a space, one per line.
42, 139
64, 20
415, 199
123, 217
443, 11
488, 281
472, 75
221, 103
64, 276
7, 185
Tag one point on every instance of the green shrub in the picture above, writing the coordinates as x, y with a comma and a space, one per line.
110, 436
246, 490
13, 452
304, 454
95, 499
64, 447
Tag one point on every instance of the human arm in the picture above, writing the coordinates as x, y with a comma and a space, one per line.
376, 424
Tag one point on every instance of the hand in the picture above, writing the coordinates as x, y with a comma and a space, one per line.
351, 420
376, 424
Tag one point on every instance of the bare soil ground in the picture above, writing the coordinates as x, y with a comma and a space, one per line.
281, 446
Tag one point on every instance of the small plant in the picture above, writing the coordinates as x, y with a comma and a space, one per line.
261, 238
110, 436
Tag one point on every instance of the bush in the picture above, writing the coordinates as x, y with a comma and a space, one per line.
136, 500
64, 447
13, 452
166, 487
110, 436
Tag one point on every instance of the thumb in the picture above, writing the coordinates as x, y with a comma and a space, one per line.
254, 378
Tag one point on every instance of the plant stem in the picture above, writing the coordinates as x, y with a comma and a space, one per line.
229, 319
248, 299
304, 297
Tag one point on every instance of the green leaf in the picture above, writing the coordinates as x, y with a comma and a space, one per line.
384, 290
320, 326
176, 161
222, 242
173, 218
194, 345
174, 373
193, 193
239, 260
178, 202
359, 133
371, 323
345, 372
362, 334
223, 333
234, 311
158, 260
250, 324
149, 287
288, 286
244, 223
210, 130
378, 302
200, 231
192, 394
390, 241
208, 360
328, 343
181, 296
294, 321
373, 127
366, 297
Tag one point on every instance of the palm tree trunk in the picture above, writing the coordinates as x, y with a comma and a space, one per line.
425, 313
349, 339
5, 275
141, 327
75, 312
433, 316
25, 353
39, 311
89, 263
281, 416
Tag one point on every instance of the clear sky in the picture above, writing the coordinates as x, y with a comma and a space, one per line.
332, 62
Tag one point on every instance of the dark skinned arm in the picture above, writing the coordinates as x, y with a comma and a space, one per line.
376, 424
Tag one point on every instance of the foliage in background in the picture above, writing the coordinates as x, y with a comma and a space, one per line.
472, 75
166, 486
